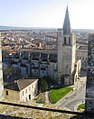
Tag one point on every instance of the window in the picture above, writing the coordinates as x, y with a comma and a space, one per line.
75, 65
36, 92
26, 90
22, 92
29, 97
29, 88
6, 92
43, 71
64, 40
67, 66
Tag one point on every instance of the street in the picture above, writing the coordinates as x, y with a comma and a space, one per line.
76, 97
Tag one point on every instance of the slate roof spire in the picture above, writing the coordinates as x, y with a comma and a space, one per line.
66, 25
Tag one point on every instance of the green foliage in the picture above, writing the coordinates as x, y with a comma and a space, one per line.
43, 85
82, 106
56, 94
48, 80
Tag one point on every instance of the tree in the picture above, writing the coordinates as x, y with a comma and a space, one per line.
43, 85
48, 80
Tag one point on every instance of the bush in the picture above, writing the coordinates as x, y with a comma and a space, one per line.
82, 106
45, 83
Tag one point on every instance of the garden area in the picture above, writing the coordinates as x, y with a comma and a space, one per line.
56, 94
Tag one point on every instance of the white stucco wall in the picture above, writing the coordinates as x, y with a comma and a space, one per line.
31, 90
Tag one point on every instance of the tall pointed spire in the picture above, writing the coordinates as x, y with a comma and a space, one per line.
66, 25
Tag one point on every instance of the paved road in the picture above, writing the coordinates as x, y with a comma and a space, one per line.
77, 97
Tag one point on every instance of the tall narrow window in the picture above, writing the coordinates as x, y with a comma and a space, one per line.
29, 97
64, 40
22, 92
29, 88
26, 90
6, 92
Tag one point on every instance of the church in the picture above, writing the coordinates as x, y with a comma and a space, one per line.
60, 64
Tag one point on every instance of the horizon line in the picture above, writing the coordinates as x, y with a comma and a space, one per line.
29, 27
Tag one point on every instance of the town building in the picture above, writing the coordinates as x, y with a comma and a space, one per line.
89, 104
82, 54
21, 90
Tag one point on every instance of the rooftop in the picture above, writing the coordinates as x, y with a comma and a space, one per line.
19, 85
38, 50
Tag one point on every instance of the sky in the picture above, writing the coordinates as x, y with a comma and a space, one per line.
47, 13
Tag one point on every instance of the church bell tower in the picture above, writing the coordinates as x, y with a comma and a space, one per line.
66, 52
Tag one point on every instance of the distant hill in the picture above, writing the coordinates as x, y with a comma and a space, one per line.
11, 28
40, 28
84, 30
24, 28
8, 28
